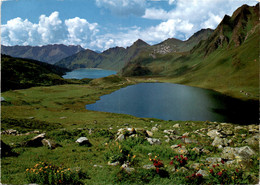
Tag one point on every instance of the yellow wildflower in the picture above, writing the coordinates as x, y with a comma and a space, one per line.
155, 156
68, 168
119, 147
116, 143
27, 169
134, 156
128, 155
46, 167
121, 151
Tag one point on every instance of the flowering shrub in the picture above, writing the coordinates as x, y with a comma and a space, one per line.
157, 163
46, 173
194, 178
179, 161
220, 175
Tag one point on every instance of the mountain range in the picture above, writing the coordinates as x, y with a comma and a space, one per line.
49, 53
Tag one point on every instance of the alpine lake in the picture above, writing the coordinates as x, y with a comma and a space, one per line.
169, 101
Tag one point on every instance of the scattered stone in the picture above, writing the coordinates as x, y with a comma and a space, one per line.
127, 168
113, 164
83, 141
182, 170
50, 144
154, 141
227, 133
30, 117
242, 152
150, 134
243, 135
36, 141
154, 129
186, 134
239, 128
213, 160
100, 166
197, 150
121, 137
195, 165
252, 140
213, 133
204, 173
205, 151
169, 132
253, 131
63, 117
188, 140
220, 142
176, 125
149, 166
91, 131
180, 150
10, 132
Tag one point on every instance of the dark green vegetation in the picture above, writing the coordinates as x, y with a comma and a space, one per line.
59, 111
227, 61
20, 73
48, 53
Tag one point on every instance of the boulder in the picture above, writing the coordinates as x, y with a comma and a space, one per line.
243, 153
213, 160
36, 141
121, 137
204, 173
154, 141
213, 133
83, 141
252, 140
176, 125
150, 134
154, 129
50, 144
180, 150
149, 166
113, 164
219, 142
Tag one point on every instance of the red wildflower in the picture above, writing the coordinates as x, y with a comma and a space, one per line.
181, 161
183, 136
213, 166
193, 175
185, 158
176, 157
217, 164
237, 170
179, 145
219, 173
181, 156
211, 171
157, 170
199, 175
222, 162
171, 163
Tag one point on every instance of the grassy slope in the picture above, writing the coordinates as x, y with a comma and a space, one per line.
64, 107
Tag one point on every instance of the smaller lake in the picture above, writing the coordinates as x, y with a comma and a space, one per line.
168, 101
88, 73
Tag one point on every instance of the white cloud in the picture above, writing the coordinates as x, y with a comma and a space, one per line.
124, 7
196, 14
49, 30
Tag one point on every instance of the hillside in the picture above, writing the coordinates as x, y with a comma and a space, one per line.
48, 53
227, 61
113, 58
20, 73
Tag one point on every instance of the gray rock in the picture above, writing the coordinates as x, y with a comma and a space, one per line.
219, 141
252, 140
121, 137
113, 164
253, 131
169, 131
154, 129
195, 165
239, 128
95, 165
180, 150
150, 134
204, 173
188, 140
197, 150
127, 168
213, 160
83, 141
154, 141
50, 144
183, 170
242, 153
10, 132
149, 166
36, 141
213, 134
176, 125
205, 151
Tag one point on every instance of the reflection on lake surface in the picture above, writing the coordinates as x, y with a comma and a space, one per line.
88, 73
177, 102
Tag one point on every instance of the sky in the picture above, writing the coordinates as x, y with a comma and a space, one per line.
102, 24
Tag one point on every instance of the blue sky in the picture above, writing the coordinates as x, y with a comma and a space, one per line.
101, 24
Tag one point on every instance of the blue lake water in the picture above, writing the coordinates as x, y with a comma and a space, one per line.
88, 73
177, 102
